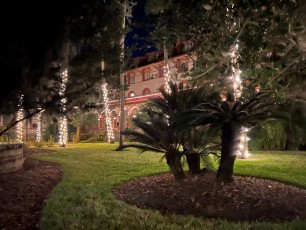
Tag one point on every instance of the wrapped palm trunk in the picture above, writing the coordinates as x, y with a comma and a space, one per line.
230, 145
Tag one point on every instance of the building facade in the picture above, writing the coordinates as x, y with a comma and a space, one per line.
144, 79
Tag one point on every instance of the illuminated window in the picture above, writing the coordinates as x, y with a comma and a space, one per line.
131, 79
188, 45
115, 119
131, 94
147, 75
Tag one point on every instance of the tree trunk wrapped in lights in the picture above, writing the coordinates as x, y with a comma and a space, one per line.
235, 82
167, 71
20, 116
39, 126
109, 128
63, 123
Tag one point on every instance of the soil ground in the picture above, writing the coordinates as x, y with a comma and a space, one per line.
23, 195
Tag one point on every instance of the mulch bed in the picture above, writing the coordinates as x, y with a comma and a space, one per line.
247, 198
23, 193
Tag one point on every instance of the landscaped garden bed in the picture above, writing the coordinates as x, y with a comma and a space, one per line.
102, 188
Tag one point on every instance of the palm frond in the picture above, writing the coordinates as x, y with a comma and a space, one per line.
143, 148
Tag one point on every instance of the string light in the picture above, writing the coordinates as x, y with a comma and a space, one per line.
167, 79
38, 125
20, 115
235, 80
109, 129
63, 123
167, 71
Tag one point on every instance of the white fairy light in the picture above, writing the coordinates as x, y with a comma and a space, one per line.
20, 115
167, 71
38, 125
167, 78
243, 151
109, 128
63, 123
237, 90
235, 71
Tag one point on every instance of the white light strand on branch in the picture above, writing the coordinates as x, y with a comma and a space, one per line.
235, 81
167, 78
63, 123
38, 125
167, 71
243, 151
109, 128
234, 78
20, 115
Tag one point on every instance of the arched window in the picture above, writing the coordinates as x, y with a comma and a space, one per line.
126, 118
181, 66
131, 94
134, 111
161, 71
115, 119
178, 65
131, 78
188, 45
147, 74
146, 91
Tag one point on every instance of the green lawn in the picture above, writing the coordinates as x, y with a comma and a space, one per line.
83, 200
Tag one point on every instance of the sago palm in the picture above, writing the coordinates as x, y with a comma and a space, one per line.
229, 117
159, 133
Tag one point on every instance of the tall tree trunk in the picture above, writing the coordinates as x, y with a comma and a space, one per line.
78, 133
122, 86
193, 161
174, 162
230, 142
289, 140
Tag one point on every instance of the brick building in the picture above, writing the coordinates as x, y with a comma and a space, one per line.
144, 78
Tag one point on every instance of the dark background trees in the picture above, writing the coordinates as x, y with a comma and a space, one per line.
34, 35
268, 32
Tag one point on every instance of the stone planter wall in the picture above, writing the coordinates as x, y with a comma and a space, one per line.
11, 157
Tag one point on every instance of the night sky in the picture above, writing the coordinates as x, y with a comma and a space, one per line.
137, 36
